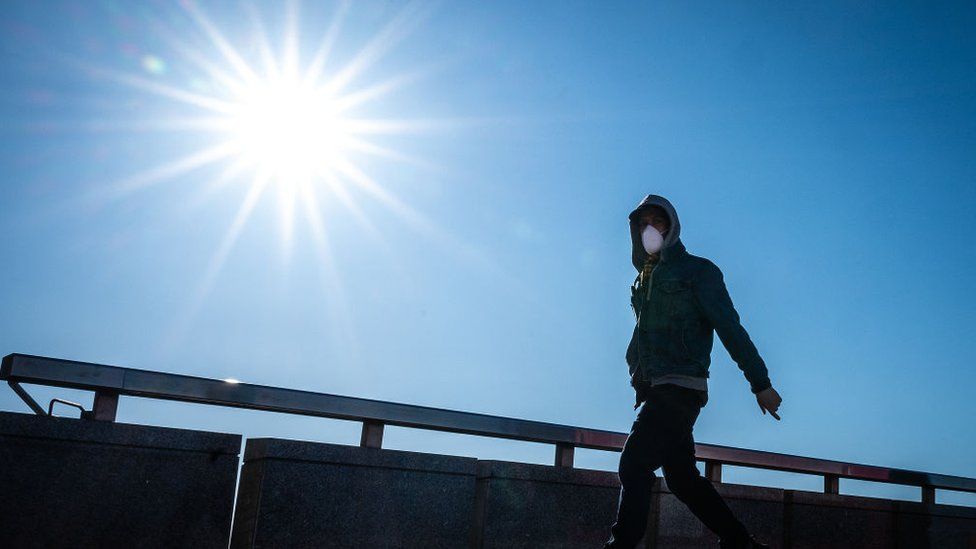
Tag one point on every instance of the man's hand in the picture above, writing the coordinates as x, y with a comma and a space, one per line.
769, 401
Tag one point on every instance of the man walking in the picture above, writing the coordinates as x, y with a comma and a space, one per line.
679, 300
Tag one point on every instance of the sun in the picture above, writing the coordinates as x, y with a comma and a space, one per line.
279, 117
283, 120
288, 130
280, 121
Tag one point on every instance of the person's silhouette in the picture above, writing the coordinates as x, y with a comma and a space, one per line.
679, 301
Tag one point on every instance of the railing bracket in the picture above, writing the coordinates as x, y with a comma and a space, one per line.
25, 396
85, 414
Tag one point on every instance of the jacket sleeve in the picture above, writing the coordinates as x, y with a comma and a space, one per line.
714, 301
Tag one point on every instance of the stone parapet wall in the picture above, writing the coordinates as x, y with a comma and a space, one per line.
73, 483
78, 483
327, 495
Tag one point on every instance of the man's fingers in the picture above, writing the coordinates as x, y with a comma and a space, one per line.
770, 407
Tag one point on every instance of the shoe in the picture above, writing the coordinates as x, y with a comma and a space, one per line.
749, 543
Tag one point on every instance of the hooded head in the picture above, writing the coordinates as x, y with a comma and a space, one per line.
639, 255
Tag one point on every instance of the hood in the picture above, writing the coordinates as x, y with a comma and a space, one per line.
671, 240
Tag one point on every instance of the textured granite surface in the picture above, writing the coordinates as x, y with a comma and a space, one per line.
760, 509
522, 505
830, 520
297, 494
304, 494
72, 483
111, 433
297, 450
932, 526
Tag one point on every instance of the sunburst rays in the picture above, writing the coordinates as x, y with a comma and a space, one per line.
283, 118
287, 125
284, 127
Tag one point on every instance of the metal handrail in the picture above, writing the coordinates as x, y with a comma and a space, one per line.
111, 382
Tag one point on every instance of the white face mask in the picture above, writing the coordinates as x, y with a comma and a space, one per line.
651, 239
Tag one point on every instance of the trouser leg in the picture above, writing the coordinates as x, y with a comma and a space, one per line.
697, 492
641, 455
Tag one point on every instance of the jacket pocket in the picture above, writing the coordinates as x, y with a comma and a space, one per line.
676, 298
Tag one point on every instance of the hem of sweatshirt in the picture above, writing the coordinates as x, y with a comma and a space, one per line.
690, 382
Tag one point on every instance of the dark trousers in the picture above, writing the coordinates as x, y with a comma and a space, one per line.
661, 437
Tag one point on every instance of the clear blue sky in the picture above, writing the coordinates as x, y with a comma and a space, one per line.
821, 155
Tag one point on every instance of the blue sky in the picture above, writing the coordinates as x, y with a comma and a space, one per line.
821, 155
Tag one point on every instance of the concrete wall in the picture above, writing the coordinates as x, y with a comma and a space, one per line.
296, 494
303, 494
933, 526
72, 483
761, 509
533, 506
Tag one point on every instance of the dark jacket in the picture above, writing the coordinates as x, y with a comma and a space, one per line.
678, 308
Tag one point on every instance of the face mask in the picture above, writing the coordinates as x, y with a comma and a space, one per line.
651, 239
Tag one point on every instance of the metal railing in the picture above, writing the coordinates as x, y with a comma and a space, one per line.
111, 382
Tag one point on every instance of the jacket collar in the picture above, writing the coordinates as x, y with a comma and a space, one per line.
674, 250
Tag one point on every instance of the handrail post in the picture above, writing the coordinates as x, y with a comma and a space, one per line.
713, 471
564, 454
831, 484
928, 494
372, 436
106, 405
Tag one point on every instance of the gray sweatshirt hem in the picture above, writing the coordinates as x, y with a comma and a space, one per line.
690, 382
